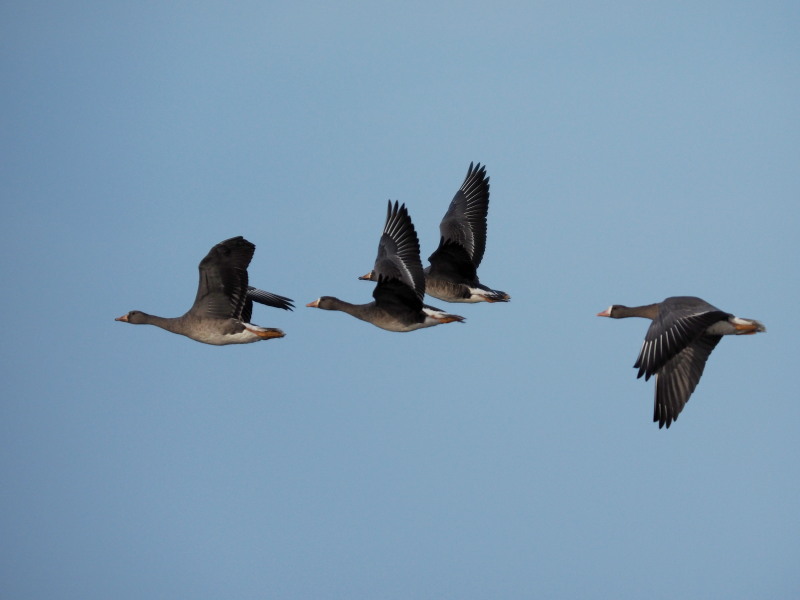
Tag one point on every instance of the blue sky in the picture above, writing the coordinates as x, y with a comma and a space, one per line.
636, 151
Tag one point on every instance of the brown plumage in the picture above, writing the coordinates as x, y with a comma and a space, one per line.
223, 306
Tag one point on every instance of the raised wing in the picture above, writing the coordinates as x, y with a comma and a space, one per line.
398, 252
222, 291
464, 223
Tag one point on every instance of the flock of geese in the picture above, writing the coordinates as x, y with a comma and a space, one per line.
683, 332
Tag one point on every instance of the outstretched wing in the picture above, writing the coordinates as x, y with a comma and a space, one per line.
398, 252
222, 291
678, 377
269, 299
464, 223
266, 298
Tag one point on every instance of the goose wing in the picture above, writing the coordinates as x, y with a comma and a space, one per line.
222, 290
266, 298
398, 254
679, 322
678, 377
464, 223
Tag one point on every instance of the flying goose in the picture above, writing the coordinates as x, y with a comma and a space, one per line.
682, 335
453, 273
222, 309
400, 282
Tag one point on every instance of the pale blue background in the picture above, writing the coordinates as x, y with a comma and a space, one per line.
636, 151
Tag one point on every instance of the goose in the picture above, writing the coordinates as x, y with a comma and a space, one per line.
683, 332
400, 282
453, 272
222, 309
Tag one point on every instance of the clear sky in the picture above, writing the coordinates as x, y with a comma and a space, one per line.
636, 151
